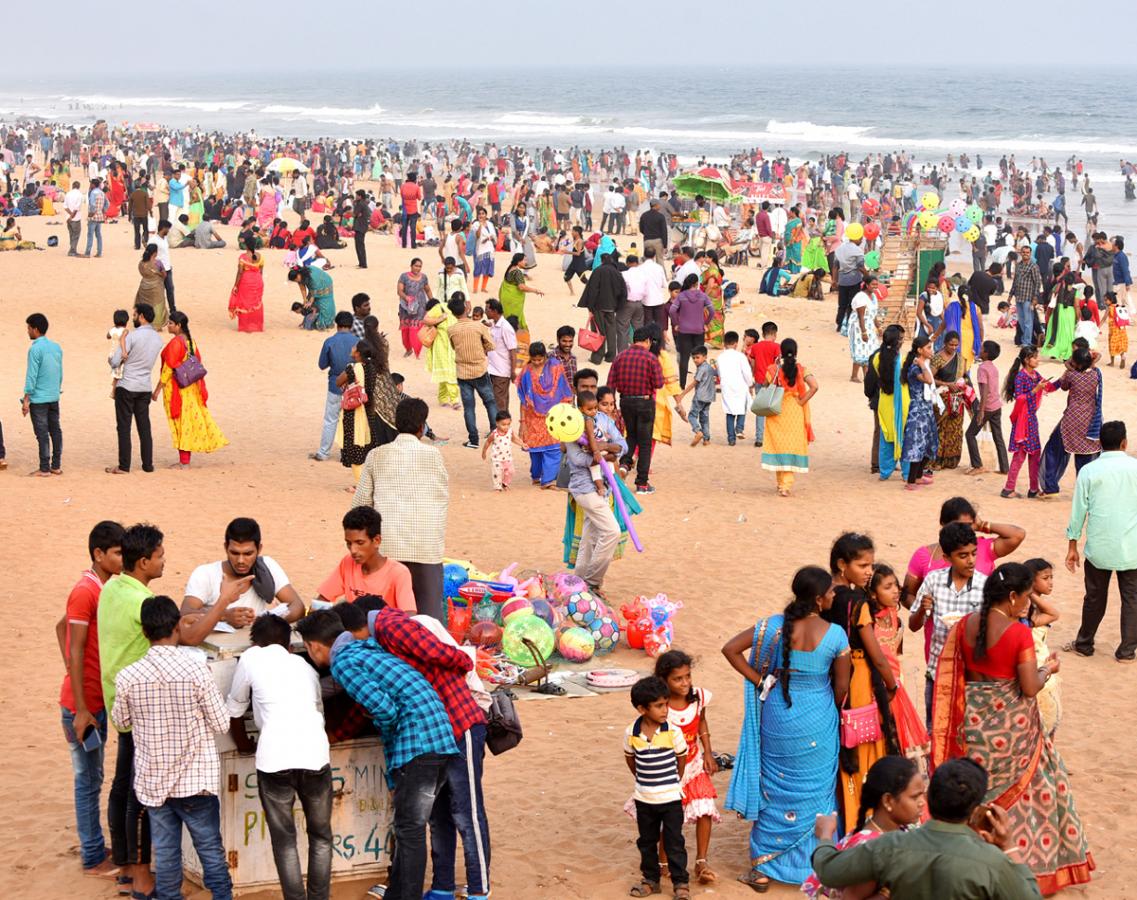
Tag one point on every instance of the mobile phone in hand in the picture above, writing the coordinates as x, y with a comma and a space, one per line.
92, 739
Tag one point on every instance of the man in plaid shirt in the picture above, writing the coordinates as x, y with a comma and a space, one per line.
418, 738
636, 375
173, 706
96, 215
1025, 288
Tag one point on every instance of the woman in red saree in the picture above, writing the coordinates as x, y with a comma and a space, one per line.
246, 302
116, 193
191, 426
985, 709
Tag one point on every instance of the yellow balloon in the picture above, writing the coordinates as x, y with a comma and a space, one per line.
972, 234
854, 231
565, 423
930, 200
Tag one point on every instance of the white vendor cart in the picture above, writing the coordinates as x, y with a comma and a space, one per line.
362, 838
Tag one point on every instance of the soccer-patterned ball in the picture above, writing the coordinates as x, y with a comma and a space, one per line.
606, 633
582, 608
576, 644
517, 606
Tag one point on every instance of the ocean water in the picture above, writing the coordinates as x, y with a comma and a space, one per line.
709, 110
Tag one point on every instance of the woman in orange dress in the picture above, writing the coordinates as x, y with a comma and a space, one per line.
116, 193
246, 302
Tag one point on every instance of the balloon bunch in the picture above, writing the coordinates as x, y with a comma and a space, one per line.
957, 216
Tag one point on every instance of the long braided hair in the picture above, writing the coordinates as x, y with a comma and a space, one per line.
788, 349
180, 319
888, 775
1009, 578
809, 585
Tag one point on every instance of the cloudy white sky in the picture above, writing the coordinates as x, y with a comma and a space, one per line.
301, 35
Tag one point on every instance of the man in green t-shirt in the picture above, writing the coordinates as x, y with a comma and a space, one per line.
121, 643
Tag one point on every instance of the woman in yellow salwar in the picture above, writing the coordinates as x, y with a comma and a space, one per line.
668, 395
440, 361
785, 447
711, 283
891, 404
191, 426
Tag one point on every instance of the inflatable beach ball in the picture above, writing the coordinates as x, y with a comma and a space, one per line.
854, 231
485, 634
544, 610
582, 608
565, 423
576, 644
606, 633
453, 577
565, 584
517, 606
522, 628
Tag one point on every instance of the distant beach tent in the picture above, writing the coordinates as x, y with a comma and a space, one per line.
286, 164
708, 182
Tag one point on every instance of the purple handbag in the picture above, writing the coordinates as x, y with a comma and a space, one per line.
189, 372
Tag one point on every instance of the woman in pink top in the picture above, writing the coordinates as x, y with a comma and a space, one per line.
988, 550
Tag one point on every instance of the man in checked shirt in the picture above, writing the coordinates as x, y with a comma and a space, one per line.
418, 739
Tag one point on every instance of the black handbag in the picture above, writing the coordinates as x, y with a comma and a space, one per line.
503, 726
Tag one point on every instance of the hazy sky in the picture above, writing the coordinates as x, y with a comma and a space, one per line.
299, 35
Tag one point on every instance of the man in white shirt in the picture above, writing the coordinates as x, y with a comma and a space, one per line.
736, 378
655, 291
73, 205
502, 359
263, 587
292, 752
616, 220
608, 210
685, 264
160, 239
630, 316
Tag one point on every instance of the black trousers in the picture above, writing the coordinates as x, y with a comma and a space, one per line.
1093, 609
169, 283
845, 295
657, 315
141, 232
652, 820
684, 344
994, 417
126, 817
639, 419
361, 248
606, 324
426, 581
133, 405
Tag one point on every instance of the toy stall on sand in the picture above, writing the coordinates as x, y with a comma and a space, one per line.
649, 623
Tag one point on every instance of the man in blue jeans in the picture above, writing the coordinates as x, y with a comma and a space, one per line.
335, 356
418, 742
173, 707
42, 386
81, 697
96, 215
472, 344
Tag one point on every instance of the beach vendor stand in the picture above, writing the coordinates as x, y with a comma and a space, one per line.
362, 835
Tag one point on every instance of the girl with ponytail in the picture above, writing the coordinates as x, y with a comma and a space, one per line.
986, 709
785, 448
1024, 386
191, 426
921, 436
893, 799
785, 774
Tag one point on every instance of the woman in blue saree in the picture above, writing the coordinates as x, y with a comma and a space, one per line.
786, 771
794, 237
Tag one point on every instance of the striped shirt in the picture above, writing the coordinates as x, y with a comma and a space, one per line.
657, 761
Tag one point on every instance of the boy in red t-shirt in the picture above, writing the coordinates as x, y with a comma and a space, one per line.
365, 570
83, 709
762, 353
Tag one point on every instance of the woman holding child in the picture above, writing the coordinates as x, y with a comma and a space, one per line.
541, 386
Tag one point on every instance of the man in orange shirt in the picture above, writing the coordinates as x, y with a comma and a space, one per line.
410, 192
365, 570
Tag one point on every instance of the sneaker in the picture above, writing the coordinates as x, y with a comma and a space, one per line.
379, 891
644, 489
473, 445
757, 443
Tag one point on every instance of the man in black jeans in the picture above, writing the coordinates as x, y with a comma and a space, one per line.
133, 393
360, 223
292, 753
42, 387
604, 296
635, 376
851, 272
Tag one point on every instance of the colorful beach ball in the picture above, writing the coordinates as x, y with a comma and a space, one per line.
582, 607
565, 584
515, 633
517, 606
606, 633
543, 609
565, 423
576, 644
453, 577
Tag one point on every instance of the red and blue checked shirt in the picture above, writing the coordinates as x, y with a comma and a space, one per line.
636, 373
406, 710
444, 666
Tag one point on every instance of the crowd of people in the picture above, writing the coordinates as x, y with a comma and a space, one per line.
828, 722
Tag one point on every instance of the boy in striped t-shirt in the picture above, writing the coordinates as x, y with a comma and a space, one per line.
656, 754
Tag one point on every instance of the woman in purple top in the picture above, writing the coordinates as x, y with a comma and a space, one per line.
690, 312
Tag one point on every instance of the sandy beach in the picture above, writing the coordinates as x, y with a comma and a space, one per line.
717, 537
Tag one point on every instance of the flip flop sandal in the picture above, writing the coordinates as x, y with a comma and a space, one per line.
682, 892
756, 882
645, 889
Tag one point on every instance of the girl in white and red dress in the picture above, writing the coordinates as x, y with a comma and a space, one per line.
687, 710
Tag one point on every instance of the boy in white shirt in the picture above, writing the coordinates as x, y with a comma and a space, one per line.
736, 378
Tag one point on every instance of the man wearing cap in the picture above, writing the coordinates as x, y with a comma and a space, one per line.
653, 227
851, 272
